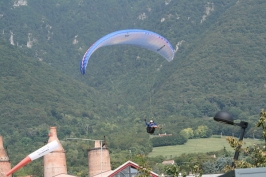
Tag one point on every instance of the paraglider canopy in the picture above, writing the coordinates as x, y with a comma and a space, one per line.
137, 37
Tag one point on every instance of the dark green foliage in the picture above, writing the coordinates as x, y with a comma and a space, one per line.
203, 132
168, 140
219, 66
216, 166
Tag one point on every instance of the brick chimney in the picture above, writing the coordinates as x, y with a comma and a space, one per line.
97, 155
5, 164
55, 162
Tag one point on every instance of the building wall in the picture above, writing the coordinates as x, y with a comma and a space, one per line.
55, 162
98, 160
5, 165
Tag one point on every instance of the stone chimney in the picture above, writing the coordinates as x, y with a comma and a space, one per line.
5, 164
98, 159
55, 162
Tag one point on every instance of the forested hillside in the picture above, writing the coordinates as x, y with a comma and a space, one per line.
224, 69
218, 65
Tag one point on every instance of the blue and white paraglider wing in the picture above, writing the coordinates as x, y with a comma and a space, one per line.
141, 38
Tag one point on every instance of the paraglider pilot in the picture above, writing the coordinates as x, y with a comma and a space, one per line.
151, 126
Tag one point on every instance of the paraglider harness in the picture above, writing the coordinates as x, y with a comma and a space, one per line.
149, 128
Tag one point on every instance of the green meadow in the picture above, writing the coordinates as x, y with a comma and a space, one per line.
198, 145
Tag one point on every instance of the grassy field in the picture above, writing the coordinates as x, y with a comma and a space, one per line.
198, 145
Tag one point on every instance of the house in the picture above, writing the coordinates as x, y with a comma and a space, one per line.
63, 175
127, 169
161, 135
168, 162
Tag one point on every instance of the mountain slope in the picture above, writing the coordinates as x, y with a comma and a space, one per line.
224, 69
33, 93
35, 96
211, 70
219, 64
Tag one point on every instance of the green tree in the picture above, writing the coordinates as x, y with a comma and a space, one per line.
256, 154
173, 170
144, 169
188, 133
211, 167
203, 132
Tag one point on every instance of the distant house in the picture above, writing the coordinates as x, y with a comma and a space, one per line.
127, 169
164, 134
64, 175
168, 162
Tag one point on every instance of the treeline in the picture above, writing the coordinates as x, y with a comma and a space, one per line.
176, 139
201, 131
